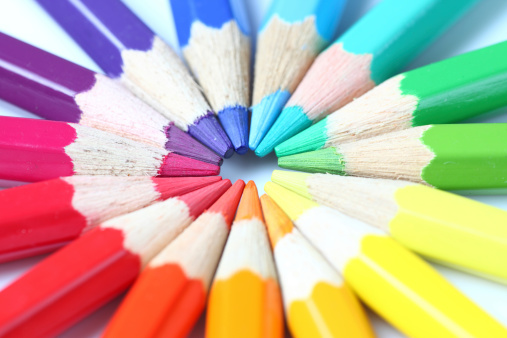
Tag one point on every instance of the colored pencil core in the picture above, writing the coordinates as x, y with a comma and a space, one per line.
209, 132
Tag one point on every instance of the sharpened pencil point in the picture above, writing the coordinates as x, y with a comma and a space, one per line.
176, 186
250, 206
294, 181
227, 204
197, 201
209, 132
183, 144
312, 138
235, 122
290, 202
264, 115
291, 121
327, 160
177, 165
277, 221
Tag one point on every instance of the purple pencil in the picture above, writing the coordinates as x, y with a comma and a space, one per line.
57, 89
127, 50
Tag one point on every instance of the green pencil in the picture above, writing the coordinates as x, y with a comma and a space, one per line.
444, 92
446, 156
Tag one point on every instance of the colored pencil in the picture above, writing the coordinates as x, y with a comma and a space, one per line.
245, 299
433, 94
42, 217
97, 267
215, 42
170, 294
56, 89
442, 226
33, 150
127, 50
290, 38
317, 301
465, 157
392, 281
377, 47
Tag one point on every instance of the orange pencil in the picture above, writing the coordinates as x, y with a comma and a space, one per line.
245, 299
317, 301
170, 294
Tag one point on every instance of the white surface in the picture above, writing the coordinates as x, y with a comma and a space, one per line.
484, 25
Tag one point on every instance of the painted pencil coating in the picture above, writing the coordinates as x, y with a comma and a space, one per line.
426, 95
316, 299
105, 23
218, 51
126, 49
289, 40
379, 45
56, 89
33, 150
171, 292
97, 267
42, 217
245, 299
391, 280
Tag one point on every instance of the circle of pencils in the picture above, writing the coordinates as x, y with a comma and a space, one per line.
119, 186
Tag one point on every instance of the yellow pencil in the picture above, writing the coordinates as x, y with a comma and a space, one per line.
317, 301
395, 283
245, 298
453, 230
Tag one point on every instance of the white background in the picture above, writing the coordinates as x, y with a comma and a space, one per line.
484, 25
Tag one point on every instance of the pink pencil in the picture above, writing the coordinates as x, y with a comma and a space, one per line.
35, 150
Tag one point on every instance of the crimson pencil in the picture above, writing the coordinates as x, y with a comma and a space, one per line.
56, 89
42, 217
98, 266
34, 150
170, 294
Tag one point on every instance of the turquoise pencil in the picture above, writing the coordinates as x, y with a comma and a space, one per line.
377, 47
292, 34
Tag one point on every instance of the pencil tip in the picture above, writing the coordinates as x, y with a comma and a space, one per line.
208, 131
228, 202
294, 181
291, 121
312, 138
183, 144
177, 165
250, 206
199, 200
169, 187
235, 122
327, 160
291, 203
264, 115
277, 221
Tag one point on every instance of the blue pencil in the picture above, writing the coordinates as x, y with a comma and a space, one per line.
214, 38
127, 50
291, 36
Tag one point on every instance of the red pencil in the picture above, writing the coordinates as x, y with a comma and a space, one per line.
35, 150
170, 294
95, 268
42, 217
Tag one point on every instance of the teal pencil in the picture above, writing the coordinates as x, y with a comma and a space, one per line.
377, 47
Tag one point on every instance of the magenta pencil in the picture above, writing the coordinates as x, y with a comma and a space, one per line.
56, 89
127, 50
34, 150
